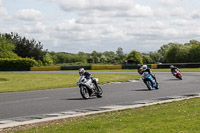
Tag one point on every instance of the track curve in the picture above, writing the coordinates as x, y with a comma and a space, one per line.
19, 104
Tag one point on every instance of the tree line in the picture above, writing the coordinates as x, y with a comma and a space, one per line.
175, 53
14, 46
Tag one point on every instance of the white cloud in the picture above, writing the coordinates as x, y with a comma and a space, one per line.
137, 11
3, 10
37, 28
94, 4
143, 10
68, 25
161, 13
170, 2
29, 15
106, 7
182, 22
196, 14
178, 12
157, 25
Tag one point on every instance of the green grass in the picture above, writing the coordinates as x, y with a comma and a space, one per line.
175, 117
3, 79
29, 82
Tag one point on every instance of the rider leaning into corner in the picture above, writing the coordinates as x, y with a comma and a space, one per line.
143, 69
174, 69
87, 75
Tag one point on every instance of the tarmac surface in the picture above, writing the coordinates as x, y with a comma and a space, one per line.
32, 106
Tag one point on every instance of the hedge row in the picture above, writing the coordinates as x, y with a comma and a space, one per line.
29, 65
18, 62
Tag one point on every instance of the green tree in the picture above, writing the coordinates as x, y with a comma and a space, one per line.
27, 48
182, 56
134, 55
6, 48
110, 55
146, 58
194, 52
155, 57
119, 51
177, 53
163, 50
47, 59
96, 56
120, 55
82, 57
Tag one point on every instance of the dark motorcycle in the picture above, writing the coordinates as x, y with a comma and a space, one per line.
88, 88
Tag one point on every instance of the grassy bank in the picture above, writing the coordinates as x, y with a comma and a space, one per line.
176, 117
28, 82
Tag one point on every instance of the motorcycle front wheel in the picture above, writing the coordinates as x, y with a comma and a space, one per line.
148, 84
179, 76
84, 92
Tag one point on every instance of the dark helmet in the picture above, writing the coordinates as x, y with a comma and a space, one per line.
140, 70
81, 71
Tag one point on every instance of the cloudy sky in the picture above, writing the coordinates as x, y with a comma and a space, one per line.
102, 25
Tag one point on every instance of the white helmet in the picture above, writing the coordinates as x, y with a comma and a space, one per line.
81, 71
144, 67
171, 66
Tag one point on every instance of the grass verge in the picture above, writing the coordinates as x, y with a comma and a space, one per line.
175, 117
29, 82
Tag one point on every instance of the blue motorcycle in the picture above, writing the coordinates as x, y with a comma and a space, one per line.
149, 81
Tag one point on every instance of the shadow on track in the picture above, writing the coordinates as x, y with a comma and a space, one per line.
140, 90
173, 80
79, 98
73, 99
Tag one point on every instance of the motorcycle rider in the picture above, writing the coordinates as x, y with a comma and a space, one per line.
88, 76
174, 69
143, 69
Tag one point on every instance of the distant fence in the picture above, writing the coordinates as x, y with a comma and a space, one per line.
75, 67
14, 68
103, 67
45, 68
106, 67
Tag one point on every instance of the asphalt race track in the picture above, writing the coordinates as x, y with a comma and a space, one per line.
19, 104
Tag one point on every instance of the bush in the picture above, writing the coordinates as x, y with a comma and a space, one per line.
19, 62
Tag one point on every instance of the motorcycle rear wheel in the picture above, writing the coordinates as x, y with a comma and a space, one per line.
99, 92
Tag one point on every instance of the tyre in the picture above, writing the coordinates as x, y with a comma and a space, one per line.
99, 92
149, 84
179, 76
84, 92
157, 87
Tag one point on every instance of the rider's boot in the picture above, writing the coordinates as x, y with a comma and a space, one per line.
93, 92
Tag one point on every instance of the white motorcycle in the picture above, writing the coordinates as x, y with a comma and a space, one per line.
88, 88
